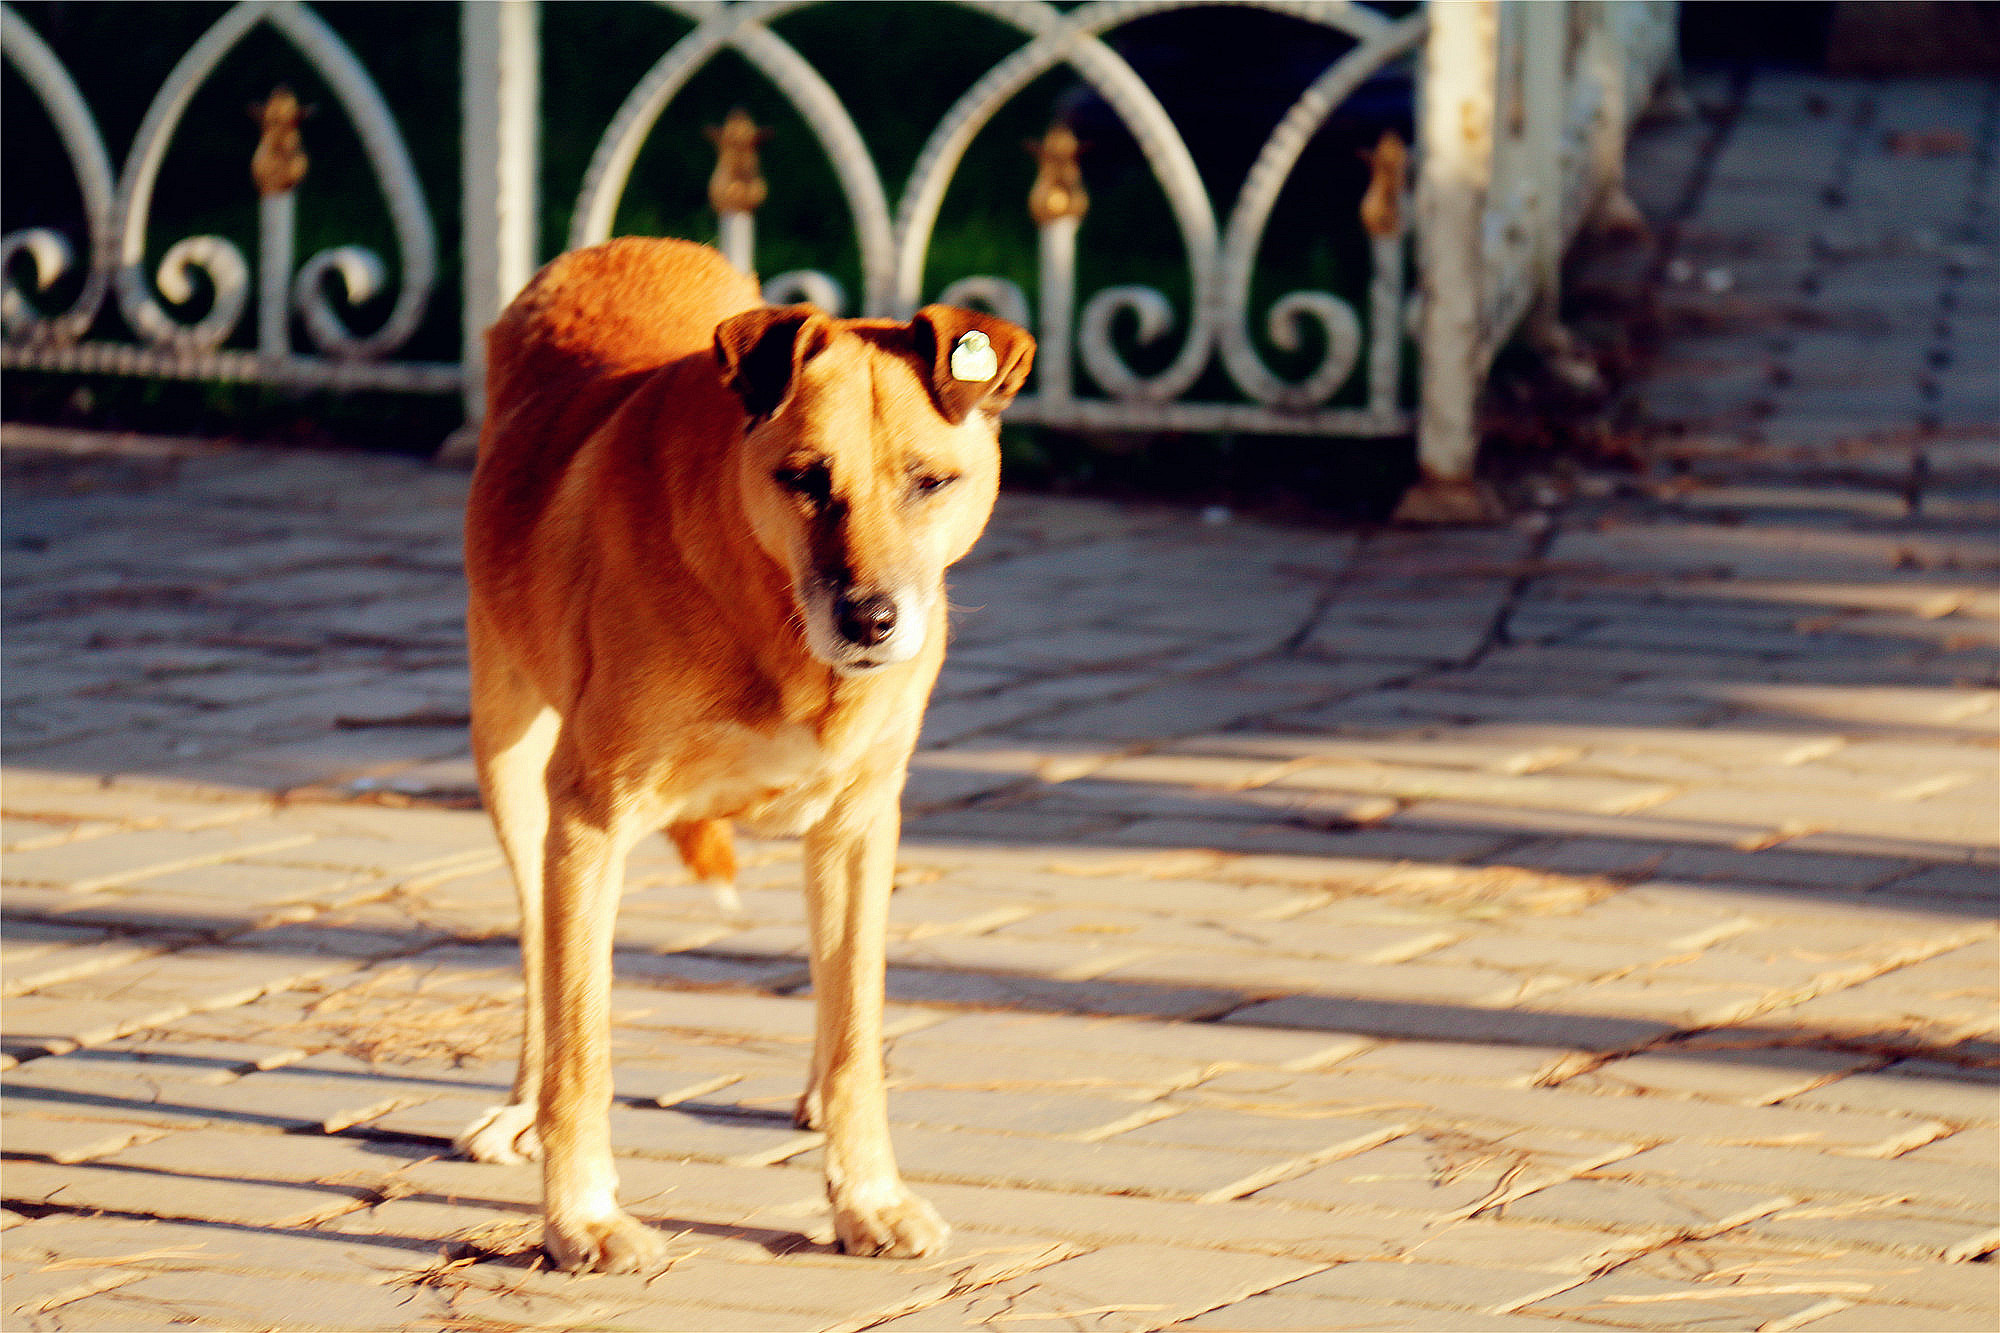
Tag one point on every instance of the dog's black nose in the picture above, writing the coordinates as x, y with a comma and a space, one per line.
866, 620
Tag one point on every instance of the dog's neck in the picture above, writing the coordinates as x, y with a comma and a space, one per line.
746, 588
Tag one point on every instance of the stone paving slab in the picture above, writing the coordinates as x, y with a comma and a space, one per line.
1581, 922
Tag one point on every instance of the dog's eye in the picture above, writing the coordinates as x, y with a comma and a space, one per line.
809, 481
930, 483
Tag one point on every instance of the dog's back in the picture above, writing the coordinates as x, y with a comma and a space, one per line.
629, 305
594, 328
574, 345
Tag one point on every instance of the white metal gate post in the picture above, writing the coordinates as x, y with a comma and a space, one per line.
1615, 54
501, 99
1555, 73
1545, 95
1455, 137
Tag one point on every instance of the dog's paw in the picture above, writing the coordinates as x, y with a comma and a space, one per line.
616, 1242
895, 1224
505, 1134
807, 1114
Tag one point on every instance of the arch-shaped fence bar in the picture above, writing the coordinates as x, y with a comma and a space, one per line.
1521, 115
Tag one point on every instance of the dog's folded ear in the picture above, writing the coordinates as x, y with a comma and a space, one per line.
760, 350
978, 362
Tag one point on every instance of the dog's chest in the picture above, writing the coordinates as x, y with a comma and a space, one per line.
778, 783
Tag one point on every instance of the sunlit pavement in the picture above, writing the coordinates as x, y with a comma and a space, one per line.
1582, 921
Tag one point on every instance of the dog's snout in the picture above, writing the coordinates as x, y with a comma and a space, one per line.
866, 620
860, 626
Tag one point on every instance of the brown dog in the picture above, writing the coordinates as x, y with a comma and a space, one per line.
706, 545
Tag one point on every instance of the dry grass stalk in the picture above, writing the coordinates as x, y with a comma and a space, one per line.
370, 1021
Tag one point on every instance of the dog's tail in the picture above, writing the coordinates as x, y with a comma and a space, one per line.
709, 849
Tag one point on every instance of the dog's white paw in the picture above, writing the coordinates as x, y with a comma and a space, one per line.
505, 1134
616, 1242
895, 1224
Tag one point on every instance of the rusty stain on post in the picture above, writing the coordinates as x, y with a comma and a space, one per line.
738, 183
1058, 189
279, 163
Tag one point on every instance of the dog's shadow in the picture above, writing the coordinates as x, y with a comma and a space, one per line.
515, 1242
513, 1239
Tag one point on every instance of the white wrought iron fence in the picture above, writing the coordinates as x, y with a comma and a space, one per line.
1522, 114
117, 211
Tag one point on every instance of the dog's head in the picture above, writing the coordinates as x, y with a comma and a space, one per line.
870, 461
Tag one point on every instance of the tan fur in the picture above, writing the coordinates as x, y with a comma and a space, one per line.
706, 543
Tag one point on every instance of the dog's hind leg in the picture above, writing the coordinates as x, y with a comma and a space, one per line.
513, 733
710, 852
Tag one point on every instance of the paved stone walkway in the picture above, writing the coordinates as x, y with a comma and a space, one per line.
1581, 922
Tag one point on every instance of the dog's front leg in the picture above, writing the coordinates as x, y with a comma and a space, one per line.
584, 1229
850, 862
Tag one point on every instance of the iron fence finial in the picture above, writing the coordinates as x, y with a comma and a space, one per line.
1382, 203
279, 163
1058, 189
738, 183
